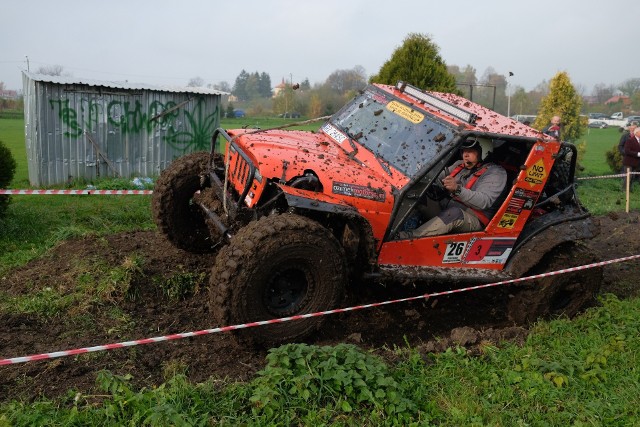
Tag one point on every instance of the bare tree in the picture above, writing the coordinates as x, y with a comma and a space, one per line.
602, 92
630, 86
51, 70
343, 81
196, 82
221, 86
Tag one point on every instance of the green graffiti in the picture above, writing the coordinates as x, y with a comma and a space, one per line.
202, 127
192, 132
69, 117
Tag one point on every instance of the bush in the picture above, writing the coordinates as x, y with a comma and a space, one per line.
614, 159
7, 170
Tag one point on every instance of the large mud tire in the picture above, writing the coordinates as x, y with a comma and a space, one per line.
558, 295
174, 211
279, 266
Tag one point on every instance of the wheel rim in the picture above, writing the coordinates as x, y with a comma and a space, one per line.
286, 290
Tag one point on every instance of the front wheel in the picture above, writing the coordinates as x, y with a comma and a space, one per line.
279, 266
564, 294
174, 210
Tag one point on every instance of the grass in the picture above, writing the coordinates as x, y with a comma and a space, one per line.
602, 195
580, 372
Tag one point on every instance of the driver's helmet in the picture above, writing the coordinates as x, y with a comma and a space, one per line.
482, 145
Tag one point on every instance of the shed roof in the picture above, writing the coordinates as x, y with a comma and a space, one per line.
69, 80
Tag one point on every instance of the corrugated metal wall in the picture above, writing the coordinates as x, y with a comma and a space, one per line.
76, 130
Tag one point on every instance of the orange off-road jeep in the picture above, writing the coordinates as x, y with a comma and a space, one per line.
293, 216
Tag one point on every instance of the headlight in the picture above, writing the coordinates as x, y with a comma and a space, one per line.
258, 176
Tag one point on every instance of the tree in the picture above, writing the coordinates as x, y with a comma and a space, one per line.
345, 81
305, 85
264, 85
221, 86
564, 101
252, 86
7, 170
240, 87
230, 113
602, 92
196, 82
51, 70
492, 91
417, 62
522, 102
630, 86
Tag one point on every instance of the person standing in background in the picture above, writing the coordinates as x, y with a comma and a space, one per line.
623, 138
631, 159
554, 128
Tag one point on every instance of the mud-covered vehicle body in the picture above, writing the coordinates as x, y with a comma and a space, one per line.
292, 216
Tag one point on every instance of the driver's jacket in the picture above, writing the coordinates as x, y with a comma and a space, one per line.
483, 188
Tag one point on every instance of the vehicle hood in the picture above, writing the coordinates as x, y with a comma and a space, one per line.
290, 154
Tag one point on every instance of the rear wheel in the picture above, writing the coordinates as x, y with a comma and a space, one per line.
279, 266
174, 210
563, 294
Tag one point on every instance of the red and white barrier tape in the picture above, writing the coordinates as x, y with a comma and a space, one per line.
67, 192
31, 358
619, 175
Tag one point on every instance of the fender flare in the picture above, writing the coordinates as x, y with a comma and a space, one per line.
318, 202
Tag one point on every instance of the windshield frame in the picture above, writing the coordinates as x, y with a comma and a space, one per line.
394, 130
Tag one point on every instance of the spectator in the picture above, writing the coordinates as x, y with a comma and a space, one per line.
631, 159
625, 135
554, 128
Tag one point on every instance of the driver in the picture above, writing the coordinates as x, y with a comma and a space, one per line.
476, 191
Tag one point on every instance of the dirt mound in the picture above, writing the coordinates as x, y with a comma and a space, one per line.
470, 319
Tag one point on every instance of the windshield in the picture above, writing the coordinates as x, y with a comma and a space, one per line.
405, 137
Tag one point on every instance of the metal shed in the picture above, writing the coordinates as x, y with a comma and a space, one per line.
81, 128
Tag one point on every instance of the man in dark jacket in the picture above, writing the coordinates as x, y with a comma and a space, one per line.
623, 138
631, 158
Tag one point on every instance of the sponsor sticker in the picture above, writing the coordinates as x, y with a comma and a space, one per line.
489, 251
360, 191
405, 112
507, 220
536, 173
454, 252
334, 133
528, 198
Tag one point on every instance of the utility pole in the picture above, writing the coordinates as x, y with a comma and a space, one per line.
509, 95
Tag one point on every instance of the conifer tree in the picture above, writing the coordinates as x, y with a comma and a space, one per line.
563, 100
7, 170
417, 62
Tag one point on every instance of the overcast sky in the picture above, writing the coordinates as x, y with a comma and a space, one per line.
170, 42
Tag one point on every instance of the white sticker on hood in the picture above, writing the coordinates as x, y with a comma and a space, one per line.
334, 133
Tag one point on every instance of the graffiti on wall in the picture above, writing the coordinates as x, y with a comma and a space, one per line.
181, 128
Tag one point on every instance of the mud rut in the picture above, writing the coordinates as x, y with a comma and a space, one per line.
466, 319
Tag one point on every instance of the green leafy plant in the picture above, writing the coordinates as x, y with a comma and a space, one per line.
614, 159
343, 377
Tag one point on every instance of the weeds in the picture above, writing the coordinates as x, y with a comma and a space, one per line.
180, 285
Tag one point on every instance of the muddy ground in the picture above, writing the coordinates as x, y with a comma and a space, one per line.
466, 319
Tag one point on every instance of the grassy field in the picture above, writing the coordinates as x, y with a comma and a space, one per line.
581, 372
602, 195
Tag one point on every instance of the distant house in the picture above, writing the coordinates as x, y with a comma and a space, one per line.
279, 88
8, 94
618, 98
81, 128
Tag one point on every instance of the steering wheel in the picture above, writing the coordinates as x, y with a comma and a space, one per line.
436, 191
